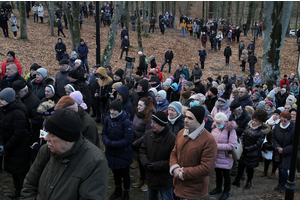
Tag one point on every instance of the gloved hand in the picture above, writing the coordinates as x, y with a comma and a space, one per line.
149, 166
2, 151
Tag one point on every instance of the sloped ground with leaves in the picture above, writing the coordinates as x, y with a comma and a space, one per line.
40, 48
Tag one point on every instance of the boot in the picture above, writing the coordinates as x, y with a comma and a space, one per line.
126, 195
224, 196
248, 185
15, 195
263, 174
272, 176
217, 190
134, 165
236, 183
138, 184
117, 193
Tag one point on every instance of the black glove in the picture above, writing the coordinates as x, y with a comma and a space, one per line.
149, 166
2, 151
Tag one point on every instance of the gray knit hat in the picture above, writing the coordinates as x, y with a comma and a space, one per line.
42, 71
256, 94
8, 94
176, 105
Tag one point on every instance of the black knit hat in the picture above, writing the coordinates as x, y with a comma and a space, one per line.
196, 90
65, 123
63, 62
116, 105
198, 112
119, 73
234, 106
18, 85
214, 90
160, 118
210, 79
74, 74
11, 53
35, 66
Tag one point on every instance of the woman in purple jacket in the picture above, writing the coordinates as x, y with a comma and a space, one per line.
225, 136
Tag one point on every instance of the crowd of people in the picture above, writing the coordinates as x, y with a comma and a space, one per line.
176, 129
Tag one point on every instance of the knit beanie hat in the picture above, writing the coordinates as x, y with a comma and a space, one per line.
270, 103
116, 105
213, 90
153, 90
11, 53
261, 105
18, 85
35, 66
119, 73
77, 96
63, 62
223, 98
256, 94
277, 111
64, 102
74, 74
117, 84
198, 112
160, 118
42, 71
78, 61
73, 54
65, 124
162, 93
196, 90
210, 79
8, 94
175, 86
177, 106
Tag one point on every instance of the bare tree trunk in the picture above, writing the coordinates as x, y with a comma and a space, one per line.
253, 12
132, 7
126, 15
206, 10
112, 34
229, 11
203, 10
163, 7
237, 13
76, 23
249, 16
296, 25
145, 22
23, 20
211, 9
70, 24
243, 14
275, 21
218, 10
224, 3
261, 11
174, 12
51, 16
155, 11
139, 27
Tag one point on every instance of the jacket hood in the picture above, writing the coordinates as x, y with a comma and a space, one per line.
14, 105
226, 78
123, 90
266, 129
102, 72
175, 86
60, 38
106, 80
157, 68
144, 84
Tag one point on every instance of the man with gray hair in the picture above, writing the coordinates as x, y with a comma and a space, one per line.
243, 98
35, 119
69, 166
11, 75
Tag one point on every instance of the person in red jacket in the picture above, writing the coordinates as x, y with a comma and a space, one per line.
10, 58
284, 80
160, 75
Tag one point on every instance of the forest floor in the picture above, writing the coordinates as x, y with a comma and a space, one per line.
40, 48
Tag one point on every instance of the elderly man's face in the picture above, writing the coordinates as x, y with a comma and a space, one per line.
57, 145
10, 70
63, 67
190, 121
156, 127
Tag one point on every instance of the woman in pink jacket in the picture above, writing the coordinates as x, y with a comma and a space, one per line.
222, 105
225, 136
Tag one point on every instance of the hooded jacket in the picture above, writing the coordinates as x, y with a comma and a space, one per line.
221, 108
160, 75
126, 104
82, 51
227, 83
39, 88
102, 87
163, 105
138, 95
173, 95
60, 46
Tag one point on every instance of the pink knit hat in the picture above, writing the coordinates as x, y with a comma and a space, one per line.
77, 96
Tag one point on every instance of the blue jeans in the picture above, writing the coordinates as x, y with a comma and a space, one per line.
85, 65
165, 194
252, 69
245, 32
183, 32
162, 67
283, 177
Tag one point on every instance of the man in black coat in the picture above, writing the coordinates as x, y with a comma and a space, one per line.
60, 28
252, 60
11, 75
227, 53
245, 27
35, 119
240, 116
3, 23
125, 46
155, 155
211, 98
152, 24
168, 59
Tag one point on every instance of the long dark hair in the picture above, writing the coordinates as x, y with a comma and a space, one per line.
148, 108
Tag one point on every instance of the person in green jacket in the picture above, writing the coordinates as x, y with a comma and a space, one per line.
69, 167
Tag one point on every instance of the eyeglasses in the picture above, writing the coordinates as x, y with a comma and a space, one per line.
284, 121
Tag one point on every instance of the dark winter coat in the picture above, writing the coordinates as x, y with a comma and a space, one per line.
252, 60
281, 99
178, 125
246, 101
153, 63
210, 102
169, 56
59, 25
202, 55
251, 140
82, 51
39, 88
32, 102
15, 138
162, 106
59, 54
156, 149
138, 95
3, 21
125, 43
7, 82
227, 51
142, 62
201, 87
126, 104
85, 91
123, 34
172, 95
117, 136
197, 72
178, 73
284, 138
241, 122
61, 79
139, 132
227, 83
